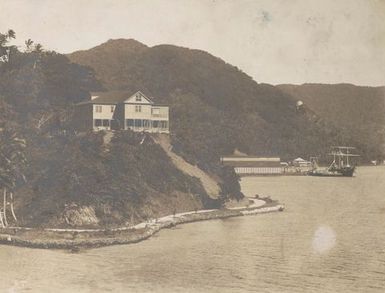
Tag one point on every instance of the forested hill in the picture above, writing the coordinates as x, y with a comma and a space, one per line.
359, 111
215, 107
79, 179
60, 177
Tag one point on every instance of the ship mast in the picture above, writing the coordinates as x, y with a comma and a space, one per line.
347, 157
341, 152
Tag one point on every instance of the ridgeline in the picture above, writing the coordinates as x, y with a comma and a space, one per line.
78, 180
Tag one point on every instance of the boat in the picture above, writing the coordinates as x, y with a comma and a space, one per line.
341, 165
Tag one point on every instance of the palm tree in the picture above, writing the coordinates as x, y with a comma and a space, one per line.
4, 38
28, 44
12, 161
38, 48
11, 34
4, 49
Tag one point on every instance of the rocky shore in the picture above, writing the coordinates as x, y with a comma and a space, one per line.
76, 239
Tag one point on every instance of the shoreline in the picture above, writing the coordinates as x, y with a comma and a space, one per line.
77, 239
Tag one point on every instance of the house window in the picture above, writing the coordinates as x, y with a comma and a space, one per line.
155, 124
112, 109
106, 122
98, 122
146, 123
130, 122
163, 124
155, 111
138, 122
98, 109
138, 98
138, 108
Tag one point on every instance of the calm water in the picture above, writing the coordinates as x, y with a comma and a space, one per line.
331, 238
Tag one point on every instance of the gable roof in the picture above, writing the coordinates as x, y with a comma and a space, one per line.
132, 98
113, 97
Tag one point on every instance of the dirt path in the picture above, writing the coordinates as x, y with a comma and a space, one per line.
210, 185
107, 138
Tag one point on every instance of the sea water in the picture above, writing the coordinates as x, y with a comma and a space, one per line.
330, 238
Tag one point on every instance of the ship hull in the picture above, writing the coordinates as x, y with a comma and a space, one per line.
337, 172
347, 171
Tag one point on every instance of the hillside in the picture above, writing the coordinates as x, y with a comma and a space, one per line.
215, 107
90, 179
77, 181
87, 179
359, 111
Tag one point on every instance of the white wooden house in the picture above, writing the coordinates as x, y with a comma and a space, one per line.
120, 110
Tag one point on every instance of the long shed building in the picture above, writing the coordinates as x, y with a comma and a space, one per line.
246, 165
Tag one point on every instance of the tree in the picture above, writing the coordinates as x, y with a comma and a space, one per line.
11, 34
12, 162
3, 40
28, 43
4, 49
38, 48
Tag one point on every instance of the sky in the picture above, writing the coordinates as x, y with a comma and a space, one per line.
274, 41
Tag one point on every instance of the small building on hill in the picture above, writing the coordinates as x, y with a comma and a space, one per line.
248, 165
120, 110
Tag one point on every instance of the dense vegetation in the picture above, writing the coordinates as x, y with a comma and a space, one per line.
358, 111
215, 108
121, 182
124, 182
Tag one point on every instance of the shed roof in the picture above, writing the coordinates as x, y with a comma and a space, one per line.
299, 160
254, 164
250, 161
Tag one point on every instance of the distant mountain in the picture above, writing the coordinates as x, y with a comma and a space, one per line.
125, 55
359, 111
215, 107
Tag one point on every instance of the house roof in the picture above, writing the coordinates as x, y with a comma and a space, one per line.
114, 97
249, 159
299, 160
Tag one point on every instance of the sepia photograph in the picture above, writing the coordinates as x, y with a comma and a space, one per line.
192, 146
